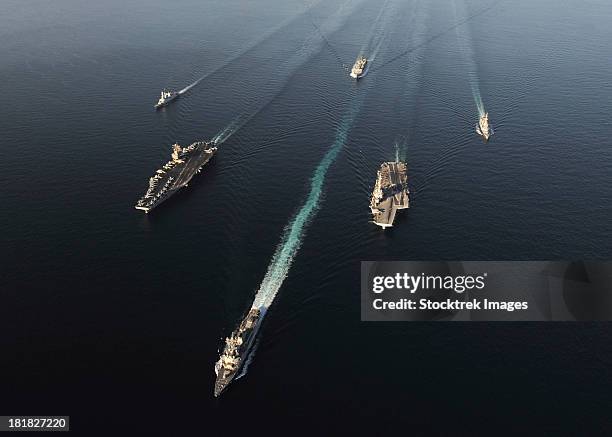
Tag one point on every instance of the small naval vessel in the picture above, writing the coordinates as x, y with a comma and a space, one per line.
359, 67
166, 97
390, 193
176, 173
236, 350
483, 127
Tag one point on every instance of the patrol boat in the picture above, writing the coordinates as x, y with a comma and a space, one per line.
359, 67
237, 347
166, 97
483, 127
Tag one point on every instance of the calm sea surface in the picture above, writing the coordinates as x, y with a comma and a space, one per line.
116, 318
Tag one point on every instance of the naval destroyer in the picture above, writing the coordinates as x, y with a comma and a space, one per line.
390, 193
166, 97
236, 351
359, 67
483, 127
176, 173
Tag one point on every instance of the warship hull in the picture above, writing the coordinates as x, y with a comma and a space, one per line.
223, 381
359, 69
168, 100
358, 75
483, 128
248, 335
484, 134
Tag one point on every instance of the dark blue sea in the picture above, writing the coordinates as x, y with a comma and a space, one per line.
116, 318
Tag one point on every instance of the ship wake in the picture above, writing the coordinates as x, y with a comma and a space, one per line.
229, 130
401, 146
188, 87
245, 50
376, 36
311, 45
329, 45
294, 231
376, 49
467, 50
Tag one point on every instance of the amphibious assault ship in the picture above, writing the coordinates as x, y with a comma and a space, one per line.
166, 97
483, 127
236, 350
390, 193
176, 173
359, 67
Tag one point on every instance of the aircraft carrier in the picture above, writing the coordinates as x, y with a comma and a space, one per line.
390, 193
236, 350
176, 173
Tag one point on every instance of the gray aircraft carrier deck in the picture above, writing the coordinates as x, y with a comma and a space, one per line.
390, 193
175, 174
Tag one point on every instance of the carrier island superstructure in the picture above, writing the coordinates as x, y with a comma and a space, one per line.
390, 193
237, 348
176, 173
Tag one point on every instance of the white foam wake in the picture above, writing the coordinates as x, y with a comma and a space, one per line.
229, 130
466, 46
294, 231
375, 38
188, 87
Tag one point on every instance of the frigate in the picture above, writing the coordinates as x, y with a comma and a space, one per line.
236, 350
166, 97
483, 127
358, 69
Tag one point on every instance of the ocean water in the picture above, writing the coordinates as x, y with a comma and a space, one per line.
116, 318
